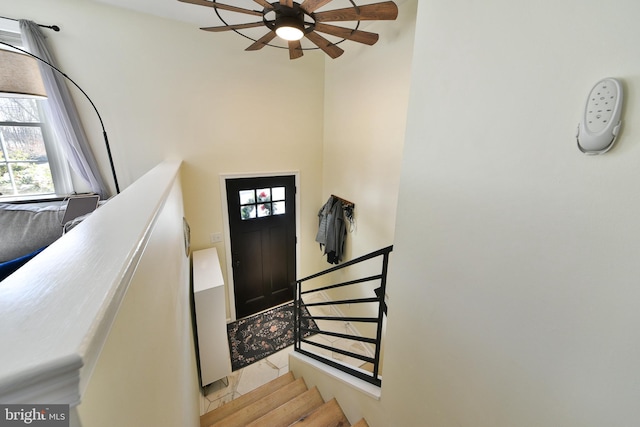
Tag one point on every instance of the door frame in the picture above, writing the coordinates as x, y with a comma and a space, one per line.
231, 299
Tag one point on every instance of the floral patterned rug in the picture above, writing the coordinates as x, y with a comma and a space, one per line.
256, 337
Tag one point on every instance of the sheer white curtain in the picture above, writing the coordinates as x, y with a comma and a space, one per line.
62, 114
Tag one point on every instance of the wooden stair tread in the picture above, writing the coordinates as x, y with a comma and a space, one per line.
282, 402
291, 411
328, 415
245, 400
262, 406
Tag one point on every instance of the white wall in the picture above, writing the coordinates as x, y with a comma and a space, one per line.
166, 89
366, 101
515, 274
146, 373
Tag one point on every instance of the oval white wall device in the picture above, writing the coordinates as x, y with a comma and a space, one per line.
601, 122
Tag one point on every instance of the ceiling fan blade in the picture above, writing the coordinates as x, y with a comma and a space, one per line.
324, 44
349, 34
288, 3
262, 42
295, 49
310, 6
233, 27
264, 4
222, 6
371, 12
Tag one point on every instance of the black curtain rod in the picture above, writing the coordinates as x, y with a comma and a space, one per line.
51, 27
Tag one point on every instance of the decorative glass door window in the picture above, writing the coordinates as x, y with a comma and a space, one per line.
262, 202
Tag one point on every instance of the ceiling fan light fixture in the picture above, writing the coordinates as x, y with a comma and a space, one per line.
292, 20
289, 28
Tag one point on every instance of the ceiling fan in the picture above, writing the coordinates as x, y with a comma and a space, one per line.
293, 21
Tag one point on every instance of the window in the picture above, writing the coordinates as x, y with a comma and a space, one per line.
24, 166
31, 165
262, 202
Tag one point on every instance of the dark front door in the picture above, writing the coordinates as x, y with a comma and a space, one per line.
262, 225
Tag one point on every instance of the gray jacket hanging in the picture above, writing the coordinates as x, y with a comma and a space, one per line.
332, 230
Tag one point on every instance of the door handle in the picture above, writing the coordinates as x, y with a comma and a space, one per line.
236, 260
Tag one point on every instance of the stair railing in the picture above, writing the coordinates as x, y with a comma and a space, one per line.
304, 336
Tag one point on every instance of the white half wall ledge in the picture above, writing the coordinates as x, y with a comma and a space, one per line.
357, 384
58, 380
58, 308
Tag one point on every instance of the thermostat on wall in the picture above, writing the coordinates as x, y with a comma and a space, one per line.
601, 122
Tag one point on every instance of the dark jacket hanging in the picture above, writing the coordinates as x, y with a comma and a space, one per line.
332, 230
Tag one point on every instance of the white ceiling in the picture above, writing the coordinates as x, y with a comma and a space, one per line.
204, 16
171, 9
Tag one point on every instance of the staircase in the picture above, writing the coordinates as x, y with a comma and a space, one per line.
283, 402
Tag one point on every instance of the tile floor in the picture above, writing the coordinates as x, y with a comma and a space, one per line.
265, 370
244, 380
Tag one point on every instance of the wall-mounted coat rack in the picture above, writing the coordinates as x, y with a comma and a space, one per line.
348, 210
345, 202
332, 229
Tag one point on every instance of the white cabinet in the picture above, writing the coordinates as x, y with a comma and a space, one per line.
211, 321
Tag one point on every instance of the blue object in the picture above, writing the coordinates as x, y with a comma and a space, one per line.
7, 268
